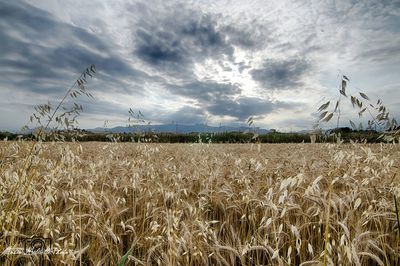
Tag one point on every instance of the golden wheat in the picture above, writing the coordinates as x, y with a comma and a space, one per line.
204, 204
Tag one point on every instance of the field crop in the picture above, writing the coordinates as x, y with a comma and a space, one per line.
202, 204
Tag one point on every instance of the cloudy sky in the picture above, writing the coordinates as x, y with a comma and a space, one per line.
198, 61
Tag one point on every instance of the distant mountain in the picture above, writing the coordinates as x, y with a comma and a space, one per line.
173, 128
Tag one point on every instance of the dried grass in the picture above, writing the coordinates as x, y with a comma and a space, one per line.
199, 204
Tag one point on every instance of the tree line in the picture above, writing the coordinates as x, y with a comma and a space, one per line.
347, 134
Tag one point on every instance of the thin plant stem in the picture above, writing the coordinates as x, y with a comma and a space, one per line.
26, 168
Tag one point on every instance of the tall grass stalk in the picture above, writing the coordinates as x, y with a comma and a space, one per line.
24, 172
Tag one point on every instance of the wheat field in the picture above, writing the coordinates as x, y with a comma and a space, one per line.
202, 204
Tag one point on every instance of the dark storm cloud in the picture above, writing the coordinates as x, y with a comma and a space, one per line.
175, 42
38, 25
240, 109
205, 91
185, 115
223, 99
284, 74
244, 107
40, 50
